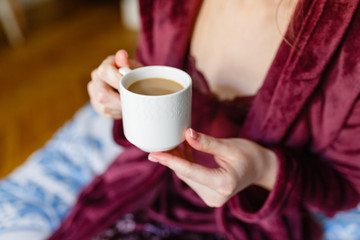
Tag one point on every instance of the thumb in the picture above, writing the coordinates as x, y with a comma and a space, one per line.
205, 143
122, 59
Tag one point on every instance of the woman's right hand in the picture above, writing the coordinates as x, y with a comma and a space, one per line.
104, 85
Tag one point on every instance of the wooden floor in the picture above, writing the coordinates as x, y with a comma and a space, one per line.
43, 82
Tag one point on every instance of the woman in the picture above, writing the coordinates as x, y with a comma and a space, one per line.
274, 128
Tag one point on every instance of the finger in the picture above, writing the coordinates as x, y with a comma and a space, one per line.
191, 170
178, 151
207, 144
211, 197
109, 73
104, 111
188, 151
103, 93
104, 100
122, 59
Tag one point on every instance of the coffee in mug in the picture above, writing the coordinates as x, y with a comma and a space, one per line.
155, 86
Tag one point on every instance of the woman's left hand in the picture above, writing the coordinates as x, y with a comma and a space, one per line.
240, 163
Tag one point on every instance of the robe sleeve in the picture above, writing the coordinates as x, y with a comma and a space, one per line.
118, 134
325, 182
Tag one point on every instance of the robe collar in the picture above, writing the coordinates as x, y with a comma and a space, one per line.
297, 71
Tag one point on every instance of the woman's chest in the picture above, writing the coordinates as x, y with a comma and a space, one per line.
234, 46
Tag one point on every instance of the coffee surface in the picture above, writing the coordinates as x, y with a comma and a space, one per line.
155, 86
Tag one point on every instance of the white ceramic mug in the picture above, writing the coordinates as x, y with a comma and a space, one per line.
155, 123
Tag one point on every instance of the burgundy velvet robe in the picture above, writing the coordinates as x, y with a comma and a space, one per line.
307, 110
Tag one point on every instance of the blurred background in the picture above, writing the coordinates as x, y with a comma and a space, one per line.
47, 50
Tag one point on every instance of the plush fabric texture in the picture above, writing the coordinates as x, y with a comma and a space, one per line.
307, 110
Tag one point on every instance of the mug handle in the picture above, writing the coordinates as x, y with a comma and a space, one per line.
124, 70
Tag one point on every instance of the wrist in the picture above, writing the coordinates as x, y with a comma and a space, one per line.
269, 170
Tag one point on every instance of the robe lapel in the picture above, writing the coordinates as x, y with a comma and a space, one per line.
172, 23
297, 71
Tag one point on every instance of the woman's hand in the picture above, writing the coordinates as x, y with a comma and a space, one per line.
104, 84
240, 163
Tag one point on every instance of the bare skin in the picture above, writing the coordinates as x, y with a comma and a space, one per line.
245, 35
235, 60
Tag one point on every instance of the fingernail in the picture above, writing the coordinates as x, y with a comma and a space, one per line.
193, 134
152, 159
124, 51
